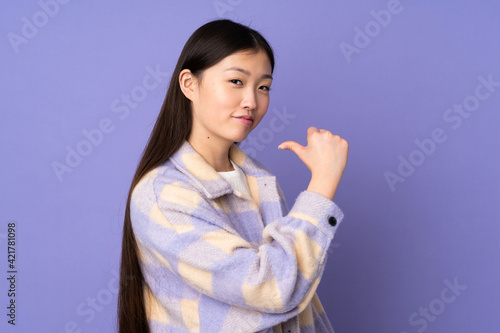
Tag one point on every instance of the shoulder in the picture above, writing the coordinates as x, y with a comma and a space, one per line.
162, 183
167, 194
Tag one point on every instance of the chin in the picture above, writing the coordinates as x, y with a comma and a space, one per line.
238, 140
239, 137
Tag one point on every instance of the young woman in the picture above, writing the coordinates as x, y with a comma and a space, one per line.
208, 242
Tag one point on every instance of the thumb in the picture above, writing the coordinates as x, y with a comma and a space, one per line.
293, 146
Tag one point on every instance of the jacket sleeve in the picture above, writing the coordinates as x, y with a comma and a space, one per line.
187, 234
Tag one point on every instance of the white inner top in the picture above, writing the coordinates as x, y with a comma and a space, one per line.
237, 179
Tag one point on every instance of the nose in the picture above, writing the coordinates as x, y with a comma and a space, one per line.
249, 100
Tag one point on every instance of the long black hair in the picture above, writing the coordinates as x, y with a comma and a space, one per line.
208, 45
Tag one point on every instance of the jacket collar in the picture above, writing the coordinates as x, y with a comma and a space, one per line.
193, 165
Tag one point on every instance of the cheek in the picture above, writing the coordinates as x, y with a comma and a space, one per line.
259, 116
263, 106
223, 98
213, 95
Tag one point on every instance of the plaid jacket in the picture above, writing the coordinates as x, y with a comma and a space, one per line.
215, 260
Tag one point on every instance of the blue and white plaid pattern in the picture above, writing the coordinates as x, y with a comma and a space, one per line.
215, 260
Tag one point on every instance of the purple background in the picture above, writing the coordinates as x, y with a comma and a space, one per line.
396, 247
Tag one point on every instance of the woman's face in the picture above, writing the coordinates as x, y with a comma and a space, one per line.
231, 98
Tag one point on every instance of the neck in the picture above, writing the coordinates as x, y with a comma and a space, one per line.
215, 152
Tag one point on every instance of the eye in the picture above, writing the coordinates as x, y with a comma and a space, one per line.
236, 81
265, 88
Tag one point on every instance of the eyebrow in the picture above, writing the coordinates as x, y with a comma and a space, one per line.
264, 76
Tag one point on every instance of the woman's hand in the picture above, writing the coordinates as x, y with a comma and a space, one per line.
326, 158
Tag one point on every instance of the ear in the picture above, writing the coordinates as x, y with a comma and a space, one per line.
187, 82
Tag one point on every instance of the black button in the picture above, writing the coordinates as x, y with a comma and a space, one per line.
332, 220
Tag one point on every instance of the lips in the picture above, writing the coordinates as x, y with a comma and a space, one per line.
247, 120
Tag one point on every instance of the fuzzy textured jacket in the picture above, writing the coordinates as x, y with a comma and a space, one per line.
215, 260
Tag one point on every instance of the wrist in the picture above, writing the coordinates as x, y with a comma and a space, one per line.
322, 187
